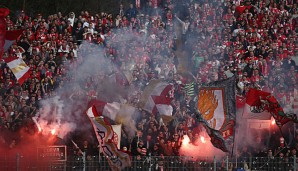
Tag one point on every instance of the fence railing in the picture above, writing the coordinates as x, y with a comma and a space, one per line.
152, 163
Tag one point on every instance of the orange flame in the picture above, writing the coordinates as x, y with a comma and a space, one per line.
203, 140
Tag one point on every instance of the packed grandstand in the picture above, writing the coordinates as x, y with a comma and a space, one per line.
187, 78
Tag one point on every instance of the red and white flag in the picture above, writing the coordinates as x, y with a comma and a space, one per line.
19, 68
156, 98
105, 132
114, 111
109, 110
117, 134
254, 107
105, 136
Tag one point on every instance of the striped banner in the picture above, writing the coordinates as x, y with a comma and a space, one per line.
19, 68
189, 89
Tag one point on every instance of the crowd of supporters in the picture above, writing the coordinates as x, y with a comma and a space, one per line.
255, 41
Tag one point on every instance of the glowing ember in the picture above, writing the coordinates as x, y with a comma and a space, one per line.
273, 122
53, 131
39, 128
203, 140
185, 140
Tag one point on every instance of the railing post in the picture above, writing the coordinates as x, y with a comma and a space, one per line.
227, 163
18, 162
214, 163
295, 163
250, 162
84, 161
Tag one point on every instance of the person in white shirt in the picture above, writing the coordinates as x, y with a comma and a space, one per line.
71, 18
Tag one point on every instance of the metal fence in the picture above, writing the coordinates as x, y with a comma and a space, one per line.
150, 163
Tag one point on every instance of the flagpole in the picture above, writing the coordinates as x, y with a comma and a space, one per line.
235, 131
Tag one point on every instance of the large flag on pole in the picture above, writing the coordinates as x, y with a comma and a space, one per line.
266, 102
19, 68
253, 107
105, 136
3, 13
217, 112
156, 98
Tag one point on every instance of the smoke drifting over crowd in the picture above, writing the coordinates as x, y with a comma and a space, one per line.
187, 44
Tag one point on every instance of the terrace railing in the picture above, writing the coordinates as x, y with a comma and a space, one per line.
20, 162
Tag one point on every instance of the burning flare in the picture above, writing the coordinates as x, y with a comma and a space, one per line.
185, 140
272, 121
53, 131
203, 140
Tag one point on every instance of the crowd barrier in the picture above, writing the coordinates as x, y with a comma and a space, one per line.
18, 162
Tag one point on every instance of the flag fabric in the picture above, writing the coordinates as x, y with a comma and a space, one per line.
253, 107
104, 132
105, 136
19, 68
263, 101
3, 13
117, 134
114, 111
217, 112
240, 101
10, 37
109, 110
156, 98
281, 118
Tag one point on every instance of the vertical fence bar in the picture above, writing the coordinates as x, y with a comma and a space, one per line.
18, 162
214, 163
250, 162
227, 163
295, 163
84, 161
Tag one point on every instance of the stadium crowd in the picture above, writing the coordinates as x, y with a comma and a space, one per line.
255, 41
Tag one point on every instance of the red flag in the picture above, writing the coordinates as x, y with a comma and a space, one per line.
3, 13
254, 108
263, 103
240, 101
10, 37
